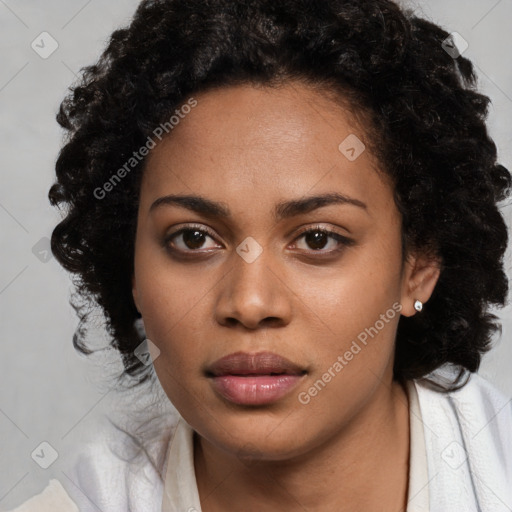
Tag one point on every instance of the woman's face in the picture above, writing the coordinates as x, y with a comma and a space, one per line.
245, 278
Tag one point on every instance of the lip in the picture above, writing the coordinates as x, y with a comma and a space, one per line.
260, 363
254, 379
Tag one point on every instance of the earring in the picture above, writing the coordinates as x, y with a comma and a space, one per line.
418, 305
139, 327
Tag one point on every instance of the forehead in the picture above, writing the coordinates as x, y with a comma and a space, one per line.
258, 142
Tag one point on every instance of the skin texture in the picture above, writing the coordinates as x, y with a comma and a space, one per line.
250, 148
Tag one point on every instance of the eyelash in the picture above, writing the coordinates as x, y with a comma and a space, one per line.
342, 240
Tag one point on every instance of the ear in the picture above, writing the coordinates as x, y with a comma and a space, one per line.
420, 276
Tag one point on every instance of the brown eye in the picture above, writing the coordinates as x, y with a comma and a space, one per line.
317, 239
189, 239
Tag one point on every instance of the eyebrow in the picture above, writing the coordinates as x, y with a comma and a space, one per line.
282, 210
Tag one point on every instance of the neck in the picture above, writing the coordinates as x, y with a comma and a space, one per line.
364, 466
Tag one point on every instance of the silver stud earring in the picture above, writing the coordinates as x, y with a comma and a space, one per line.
418, 305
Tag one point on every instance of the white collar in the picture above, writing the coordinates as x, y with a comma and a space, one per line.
180, 492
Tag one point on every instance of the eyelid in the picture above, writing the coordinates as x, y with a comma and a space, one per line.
328, 230
199, 227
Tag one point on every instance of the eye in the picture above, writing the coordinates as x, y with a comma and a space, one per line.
189, 239
317, 238
192, 239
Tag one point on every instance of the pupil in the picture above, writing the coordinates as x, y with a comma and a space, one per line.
193, 239
316, 239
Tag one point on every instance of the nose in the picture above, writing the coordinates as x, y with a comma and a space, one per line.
253, 295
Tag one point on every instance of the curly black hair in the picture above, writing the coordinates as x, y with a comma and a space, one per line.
426, 123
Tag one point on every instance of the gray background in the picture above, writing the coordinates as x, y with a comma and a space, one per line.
48, 392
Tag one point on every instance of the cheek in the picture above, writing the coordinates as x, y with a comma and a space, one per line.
171, 300
353, 352
365, 284
359, 309
174, 320
167, 290
357, 321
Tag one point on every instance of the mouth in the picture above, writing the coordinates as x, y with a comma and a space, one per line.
254, 379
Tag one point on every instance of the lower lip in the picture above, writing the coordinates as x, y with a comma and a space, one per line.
254, 389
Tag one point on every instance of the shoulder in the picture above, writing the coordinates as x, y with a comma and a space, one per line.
119, 471
97, 478
478, 399
479, 414
485, 412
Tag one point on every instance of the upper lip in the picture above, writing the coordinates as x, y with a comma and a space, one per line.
261, 363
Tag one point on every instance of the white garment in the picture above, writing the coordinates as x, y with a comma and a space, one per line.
467, 443
468, 437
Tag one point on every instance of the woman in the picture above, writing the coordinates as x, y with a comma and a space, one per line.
289, 210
